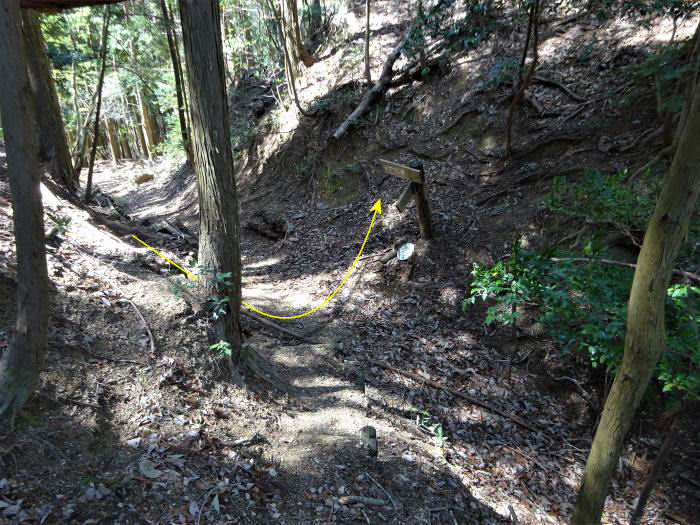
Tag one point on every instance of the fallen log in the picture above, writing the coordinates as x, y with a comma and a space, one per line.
373, 94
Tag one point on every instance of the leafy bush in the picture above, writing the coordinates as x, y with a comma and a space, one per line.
601, 199
584, 308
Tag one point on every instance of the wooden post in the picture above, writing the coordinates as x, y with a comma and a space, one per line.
416, 176
422, 207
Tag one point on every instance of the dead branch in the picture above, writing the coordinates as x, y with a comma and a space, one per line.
550, 82
143, 320
393, 502
474, 401
373, 94
282, 329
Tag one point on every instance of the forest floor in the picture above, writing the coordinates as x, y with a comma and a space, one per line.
134, 421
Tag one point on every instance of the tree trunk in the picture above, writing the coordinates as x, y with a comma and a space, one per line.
113, 141
22, 361
76, 103
100, 81
292, 35
219, 243
81, 139
53, 147
182, 76
368, 72
178, 81
646, 337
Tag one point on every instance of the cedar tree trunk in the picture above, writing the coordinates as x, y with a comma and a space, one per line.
219, 243
53, 147
22, 361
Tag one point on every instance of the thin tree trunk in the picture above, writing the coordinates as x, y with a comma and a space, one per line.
524, 83
100, 81
22, 361
81, 140
656, 470
53, 147
113, 142
292, 36
178, 80
183, 78
368, 71
646, 337
219, 243
146, 119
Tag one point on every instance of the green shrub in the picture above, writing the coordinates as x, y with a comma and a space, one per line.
583, 307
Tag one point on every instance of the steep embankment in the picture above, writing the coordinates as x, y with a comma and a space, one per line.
133, 421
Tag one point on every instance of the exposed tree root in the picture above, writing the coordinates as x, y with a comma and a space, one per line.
282, 329
547, 142
666, 152
550, 82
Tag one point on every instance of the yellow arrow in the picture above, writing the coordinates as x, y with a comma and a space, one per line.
377, 208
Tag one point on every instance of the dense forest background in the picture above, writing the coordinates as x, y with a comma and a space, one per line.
516, 340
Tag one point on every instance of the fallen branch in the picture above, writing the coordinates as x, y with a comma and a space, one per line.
282, 329
151, 339
682, 273
550, 82
393, 502
373, 94
348, 500
474, 401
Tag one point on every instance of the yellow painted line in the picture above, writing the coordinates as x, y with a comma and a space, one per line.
164, 257
377, 208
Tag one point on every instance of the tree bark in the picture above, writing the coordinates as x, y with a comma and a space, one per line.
646, 338
53, 147
22, 361
219, 242
100, 82
178, 81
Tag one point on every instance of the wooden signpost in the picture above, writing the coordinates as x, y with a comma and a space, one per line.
416, 189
